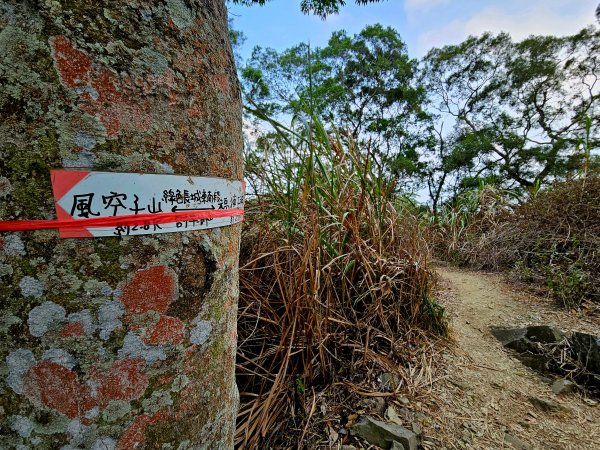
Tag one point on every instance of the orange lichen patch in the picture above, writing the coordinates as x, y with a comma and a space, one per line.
134, 435
168, 330
189, 353
72, 329
152, 289
120, 115
57, 388
233, 337
114, 107
165, 379
194, 113
123, 381
107, 86
102, 92
172, 25
73, 65
149, 83
228, 304
222, 81
172, 97
188, 399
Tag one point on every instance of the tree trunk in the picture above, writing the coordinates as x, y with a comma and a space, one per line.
116, 342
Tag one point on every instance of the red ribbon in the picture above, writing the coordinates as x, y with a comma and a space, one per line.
109, 222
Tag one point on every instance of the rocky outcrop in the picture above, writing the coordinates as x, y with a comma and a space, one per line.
537, 345
525, 339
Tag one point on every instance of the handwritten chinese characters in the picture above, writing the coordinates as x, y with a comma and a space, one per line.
85, 195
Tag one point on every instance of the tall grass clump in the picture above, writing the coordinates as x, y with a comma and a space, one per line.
466, 223
556, 240
335, 286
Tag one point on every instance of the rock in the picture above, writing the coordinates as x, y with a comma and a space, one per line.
392, 416
587, 349
389, 381
514, 338
537, 362
516, 442
459, 384
375, 405
525, 339
397, 446
563, 386
546, 405
383, 435
416, 427
544, 334
348, 447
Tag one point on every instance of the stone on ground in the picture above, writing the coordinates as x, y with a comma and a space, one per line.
563, 386
544, 334
515, 442
513, 338
384, 435
587, 349
546, 405
525, 339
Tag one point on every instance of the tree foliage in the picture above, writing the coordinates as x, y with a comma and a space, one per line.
522, 112
364, 84
322, 8
488, 110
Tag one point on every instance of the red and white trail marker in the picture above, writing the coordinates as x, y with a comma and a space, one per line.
88, 195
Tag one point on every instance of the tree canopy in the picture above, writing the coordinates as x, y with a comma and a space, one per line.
363, 84
321, 8
520, 112
490, 109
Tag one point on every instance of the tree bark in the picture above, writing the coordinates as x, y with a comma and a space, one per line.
116, 343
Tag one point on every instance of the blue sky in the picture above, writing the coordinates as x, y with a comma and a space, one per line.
422, 23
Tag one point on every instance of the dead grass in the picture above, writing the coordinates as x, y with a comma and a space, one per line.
335, 289
551, 241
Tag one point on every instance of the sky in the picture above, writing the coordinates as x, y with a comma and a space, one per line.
423, 24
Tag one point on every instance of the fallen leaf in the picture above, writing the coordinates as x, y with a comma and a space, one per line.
351, 419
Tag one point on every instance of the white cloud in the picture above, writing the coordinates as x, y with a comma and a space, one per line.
538, 17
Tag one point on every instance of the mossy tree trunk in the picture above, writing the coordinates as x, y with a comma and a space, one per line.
116, 343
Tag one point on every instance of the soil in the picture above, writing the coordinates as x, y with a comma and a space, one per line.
483, 401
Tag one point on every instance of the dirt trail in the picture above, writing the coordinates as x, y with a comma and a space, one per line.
483, 402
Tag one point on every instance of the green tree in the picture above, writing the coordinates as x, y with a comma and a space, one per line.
364, 84
519, 110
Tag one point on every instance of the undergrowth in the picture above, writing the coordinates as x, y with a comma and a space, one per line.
335, 287
551, 241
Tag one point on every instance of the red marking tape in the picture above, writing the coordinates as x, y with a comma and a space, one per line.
96, 204
139, 220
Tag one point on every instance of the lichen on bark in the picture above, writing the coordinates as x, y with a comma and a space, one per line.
116, 342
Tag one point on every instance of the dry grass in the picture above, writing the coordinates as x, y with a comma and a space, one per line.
552, 241
334, 290
464, 226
